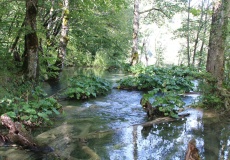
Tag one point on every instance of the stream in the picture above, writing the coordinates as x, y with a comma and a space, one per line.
107, 128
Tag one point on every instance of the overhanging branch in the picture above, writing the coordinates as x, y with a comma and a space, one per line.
156, 9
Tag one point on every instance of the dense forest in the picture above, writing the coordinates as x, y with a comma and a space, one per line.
39, 39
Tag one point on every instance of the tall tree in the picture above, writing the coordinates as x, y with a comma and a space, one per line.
188, 33
31, 66
157, 13
218, 34
199, 28
134, 58
64, 35
205, 25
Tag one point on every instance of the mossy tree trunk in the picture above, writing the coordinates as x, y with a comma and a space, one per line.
217, 41
217, 46
31, 66
188, 33
64, 36
134, 56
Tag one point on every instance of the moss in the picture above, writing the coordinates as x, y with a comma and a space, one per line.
65, 21
66, 38
66, 12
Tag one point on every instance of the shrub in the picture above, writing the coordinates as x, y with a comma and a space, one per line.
34, 107
168, 102
167, 82
170, 79
84, 87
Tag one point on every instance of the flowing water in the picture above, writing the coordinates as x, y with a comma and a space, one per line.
109, 127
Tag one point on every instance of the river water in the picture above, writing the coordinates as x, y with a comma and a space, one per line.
109, 127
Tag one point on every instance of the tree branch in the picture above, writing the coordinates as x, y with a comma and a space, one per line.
156, 9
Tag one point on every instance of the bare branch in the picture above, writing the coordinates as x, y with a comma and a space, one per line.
156, 9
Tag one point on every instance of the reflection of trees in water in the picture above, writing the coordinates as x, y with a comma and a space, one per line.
135, 149
216, 140
55, 86
224, 152
163, 140
213, 139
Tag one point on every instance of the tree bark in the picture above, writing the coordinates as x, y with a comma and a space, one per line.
52, 23
18, 135
12, 48
134, 57
201, 59
188, 34
31, 65
201, 24
64, 36
218, 34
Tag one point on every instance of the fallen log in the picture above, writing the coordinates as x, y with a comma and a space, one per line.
157, 121
18, 135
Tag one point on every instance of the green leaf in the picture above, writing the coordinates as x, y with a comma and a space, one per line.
195, 12
43, 115
25, 117
11, 114
55, 111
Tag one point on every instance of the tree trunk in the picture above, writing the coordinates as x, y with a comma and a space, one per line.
19, 135
201, 24
218, 34
52, 25
31, 65
64, 36
188, 34
201, 59
135, 57
12, 48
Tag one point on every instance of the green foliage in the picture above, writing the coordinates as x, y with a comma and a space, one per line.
34, 107
167, 10
93, 26
168, 102
105, 59
195, 31
163, 85
84, 87
227, 59
98, 36
210, 97
136, 69
195, 12
175, 78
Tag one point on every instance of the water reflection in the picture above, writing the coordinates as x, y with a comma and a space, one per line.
120, 110
108, 125
166, 141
